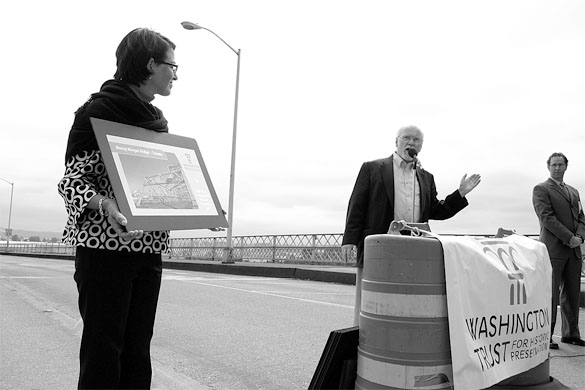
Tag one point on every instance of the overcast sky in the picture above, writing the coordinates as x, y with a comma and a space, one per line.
496, 86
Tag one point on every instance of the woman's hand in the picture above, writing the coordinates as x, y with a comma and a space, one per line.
119, 221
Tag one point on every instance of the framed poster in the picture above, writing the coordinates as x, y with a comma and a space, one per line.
159, 179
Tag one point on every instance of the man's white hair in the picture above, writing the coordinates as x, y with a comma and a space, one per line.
404, 128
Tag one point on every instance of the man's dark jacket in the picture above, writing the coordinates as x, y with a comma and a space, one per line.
371, 206
560, 217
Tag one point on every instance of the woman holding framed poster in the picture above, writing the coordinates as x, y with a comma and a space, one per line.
118, 272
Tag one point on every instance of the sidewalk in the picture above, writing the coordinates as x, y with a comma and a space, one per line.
567, 364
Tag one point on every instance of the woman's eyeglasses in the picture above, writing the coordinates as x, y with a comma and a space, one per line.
174, 67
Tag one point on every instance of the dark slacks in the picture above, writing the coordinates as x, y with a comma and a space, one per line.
118, 295
566, 274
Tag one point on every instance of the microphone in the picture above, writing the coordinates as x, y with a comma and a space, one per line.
412, 153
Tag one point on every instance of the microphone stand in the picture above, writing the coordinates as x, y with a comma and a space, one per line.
413, 188
412, 153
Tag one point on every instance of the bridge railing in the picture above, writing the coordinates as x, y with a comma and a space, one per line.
37, 248
296, 248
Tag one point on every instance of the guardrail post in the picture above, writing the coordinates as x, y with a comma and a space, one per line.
213, 248
191, 249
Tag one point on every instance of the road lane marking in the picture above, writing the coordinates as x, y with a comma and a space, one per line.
187, 278
309, 293
165, 377
39, 301
252, 279
271, 294
35, 277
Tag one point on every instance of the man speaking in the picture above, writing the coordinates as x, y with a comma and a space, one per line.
396, 188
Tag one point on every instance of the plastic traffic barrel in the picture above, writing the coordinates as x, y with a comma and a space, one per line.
403, 325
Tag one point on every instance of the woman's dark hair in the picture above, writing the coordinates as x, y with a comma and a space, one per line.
134, 52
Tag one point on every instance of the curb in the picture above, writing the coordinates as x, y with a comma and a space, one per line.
40, 255
270, 272
289, 272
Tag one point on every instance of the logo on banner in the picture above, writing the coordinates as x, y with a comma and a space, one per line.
518, 289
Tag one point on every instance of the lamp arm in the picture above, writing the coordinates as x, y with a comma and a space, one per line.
227, 44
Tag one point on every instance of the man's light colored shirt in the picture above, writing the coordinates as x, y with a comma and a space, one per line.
406, 188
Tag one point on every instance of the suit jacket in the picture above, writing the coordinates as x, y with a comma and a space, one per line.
560, 216
371, 205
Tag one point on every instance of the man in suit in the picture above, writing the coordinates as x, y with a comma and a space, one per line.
562, 228
393, 188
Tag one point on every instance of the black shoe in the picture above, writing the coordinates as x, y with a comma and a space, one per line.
553, 345
573, 340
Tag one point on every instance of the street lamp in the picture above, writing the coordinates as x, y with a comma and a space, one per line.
228, 252
9, 231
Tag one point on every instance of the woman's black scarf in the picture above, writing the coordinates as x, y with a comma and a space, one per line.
114, 102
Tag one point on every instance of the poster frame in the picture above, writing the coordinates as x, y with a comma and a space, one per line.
203, 211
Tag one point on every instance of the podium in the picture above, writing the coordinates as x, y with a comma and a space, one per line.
404, 329
404, 335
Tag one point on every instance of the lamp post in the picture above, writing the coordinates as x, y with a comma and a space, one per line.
228, 251
8, 230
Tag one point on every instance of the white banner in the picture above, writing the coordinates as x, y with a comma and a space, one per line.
499, 303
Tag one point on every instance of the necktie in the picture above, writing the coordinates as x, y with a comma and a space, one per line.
566, 190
